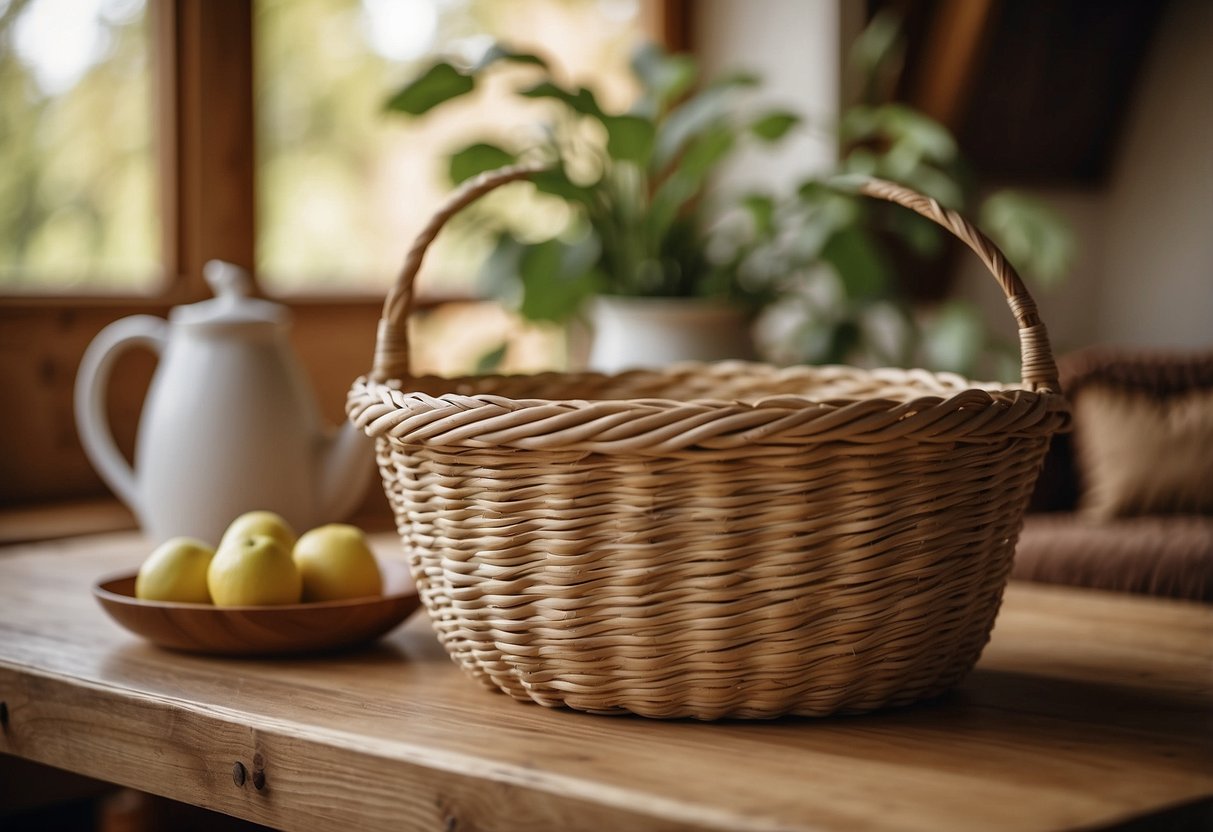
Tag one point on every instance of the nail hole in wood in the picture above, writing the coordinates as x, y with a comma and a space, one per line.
258, 772
238, 773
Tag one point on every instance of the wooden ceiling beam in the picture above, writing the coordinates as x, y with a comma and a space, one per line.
955, 39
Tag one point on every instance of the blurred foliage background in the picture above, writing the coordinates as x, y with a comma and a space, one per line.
342, 188
77, 169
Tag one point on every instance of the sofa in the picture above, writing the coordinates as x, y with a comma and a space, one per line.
1125, 501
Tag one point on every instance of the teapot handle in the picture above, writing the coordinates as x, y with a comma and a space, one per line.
91, 382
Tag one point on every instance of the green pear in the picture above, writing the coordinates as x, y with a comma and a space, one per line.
260, 522
253, 571
337, 563
176, 571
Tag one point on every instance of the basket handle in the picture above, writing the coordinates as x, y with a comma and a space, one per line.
392, 339
1037, 367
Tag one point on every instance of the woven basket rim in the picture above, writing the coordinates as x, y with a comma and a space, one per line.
468, 414
944, 380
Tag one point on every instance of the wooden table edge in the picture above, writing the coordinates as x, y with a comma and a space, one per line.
447, 779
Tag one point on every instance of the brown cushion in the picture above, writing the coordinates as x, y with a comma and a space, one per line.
1169, 556
1160, 374
1140, 453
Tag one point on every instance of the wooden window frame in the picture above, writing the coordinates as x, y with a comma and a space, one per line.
203, 59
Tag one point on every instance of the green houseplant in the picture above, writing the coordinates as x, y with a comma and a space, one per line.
849, 274
833, 275
636, 182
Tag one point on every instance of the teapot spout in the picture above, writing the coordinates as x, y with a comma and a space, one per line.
345, 470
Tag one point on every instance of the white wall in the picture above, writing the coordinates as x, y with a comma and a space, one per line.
1157, 285
797, 47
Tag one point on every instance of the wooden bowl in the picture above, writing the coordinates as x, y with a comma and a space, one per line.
262, 631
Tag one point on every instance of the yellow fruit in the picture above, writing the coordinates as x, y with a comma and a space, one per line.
336, 563
253, 571
176, 571
260, 522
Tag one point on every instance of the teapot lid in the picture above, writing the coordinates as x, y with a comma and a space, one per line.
233, 302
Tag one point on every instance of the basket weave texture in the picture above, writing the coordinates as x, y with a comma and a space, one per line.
708, 541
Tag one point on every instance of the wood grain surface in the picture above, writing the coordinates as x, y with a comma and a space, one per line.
1086, 709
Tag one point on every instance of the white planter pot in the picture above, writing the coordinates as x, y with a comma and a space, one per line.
631, 333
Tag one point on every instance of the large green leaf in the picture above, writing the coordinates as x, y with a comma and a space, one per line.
668, 200
738, 79
814, 190
953, 340
862, 164
554, 284
875, 56
476, 159
437, 85
499, 273
630, 138
580, 100
859, 123
1033, 236
706, 152
664, 76
821, 211
876, 44
930, 180
901, 129
858, 165
923, 133
688, 177
490, 361
689, 121
774, 126
859, 262
761, 209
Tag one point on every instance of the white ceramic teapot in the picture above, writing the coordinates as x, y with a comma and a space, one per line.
229, 424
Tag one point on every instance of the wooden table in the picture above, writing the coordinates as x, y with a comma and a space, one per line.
1086, 709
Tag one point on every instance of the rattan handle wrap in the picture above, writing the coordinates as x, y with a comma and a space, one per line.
392, 340
1037, 368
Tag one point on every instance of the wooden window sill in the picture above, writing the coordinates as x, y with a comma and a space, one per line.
67, 518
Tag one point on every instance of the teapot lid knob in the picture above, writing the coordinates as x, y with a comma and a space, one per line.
233, 302
226, 279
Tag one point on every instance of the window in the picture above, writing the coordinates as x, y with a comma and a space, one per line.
77, 165
342, 184
187, 182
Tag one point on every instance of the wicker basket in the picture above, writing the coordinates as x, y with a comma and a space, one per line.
727, 540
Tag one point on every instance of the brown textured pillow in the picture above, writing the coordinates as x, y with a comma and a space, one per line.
1144, 454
